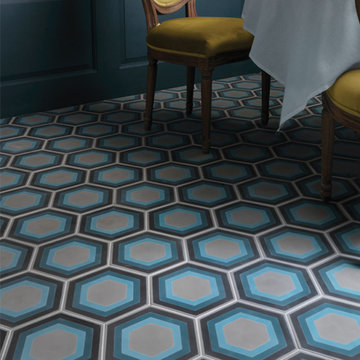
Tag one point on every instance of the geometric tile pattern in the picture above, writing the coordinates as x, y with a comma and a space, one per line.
126, 244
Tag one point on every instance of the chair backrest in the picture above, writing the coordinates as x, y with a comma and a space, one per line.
357, 5
155, 7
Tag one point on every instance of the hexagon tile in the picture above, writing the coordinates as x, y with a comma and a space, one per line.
118, 243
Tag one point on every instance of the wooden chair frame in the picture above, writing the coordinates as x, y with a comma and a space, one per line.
330, 114
205, 66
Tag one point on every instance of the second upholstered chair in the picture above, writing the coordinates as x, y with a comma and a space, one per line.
196, 42
341, 103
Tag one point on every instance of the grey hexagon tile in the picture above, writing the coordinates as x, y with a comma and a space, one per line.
37, 160
312, 214
191, 289
339, 278
228, 171
244, 332
26, 297
14, 257
82, 198
115, 175
20, 145
315, 328
112, 223
72, 256
10, 178
173, 174
152, 334
43, 226
295, 245
247, 217
145, 195
148, 252
274, 284
59, 336
347, 238
106, 294
69, 144
58, 178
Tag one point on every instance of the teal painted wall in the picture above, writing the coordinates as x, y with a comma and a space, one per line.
57, 53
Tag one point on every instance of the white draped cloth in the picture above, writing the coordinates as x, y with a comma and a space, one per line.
304, 44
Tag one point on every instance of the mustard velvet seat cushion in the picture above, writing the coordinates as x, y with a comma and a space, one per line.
345, 93
200, 36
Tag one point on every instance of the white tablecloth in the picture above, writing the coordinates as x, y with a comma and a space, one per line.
304, 44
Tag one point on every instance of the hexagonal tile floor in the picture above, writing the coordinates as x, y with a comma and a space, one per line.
122, 244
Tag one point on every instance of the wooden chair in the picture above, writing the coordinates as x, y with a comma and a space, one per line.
196, 42
341, 103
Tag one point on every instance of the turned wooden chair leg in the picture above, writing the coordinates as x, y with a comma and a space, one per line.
206, 93
150, 92
328, 134
190, 78
265, 97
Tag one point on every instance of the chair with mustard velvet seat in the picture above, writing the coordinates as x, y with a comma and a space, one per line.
341, 103
196, 42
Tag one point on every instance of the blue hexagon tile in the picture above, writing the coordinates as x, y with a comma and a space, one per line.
115, 175
151, 334
14, 257
247, 217
340, 278
69, 144
122, 243
228, 171
23, 200
112, 223
82, 198
37, 160
329, 328
191, 289
243, 332
106, 294
347, 239
180, 220
312, 214
274, 284
71, 257
206, 193
26, 297
223, 249
267, 191
147, 252
12, 178
43, 226
296, 245
61, 337
58, 178
145, 195
172, 174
